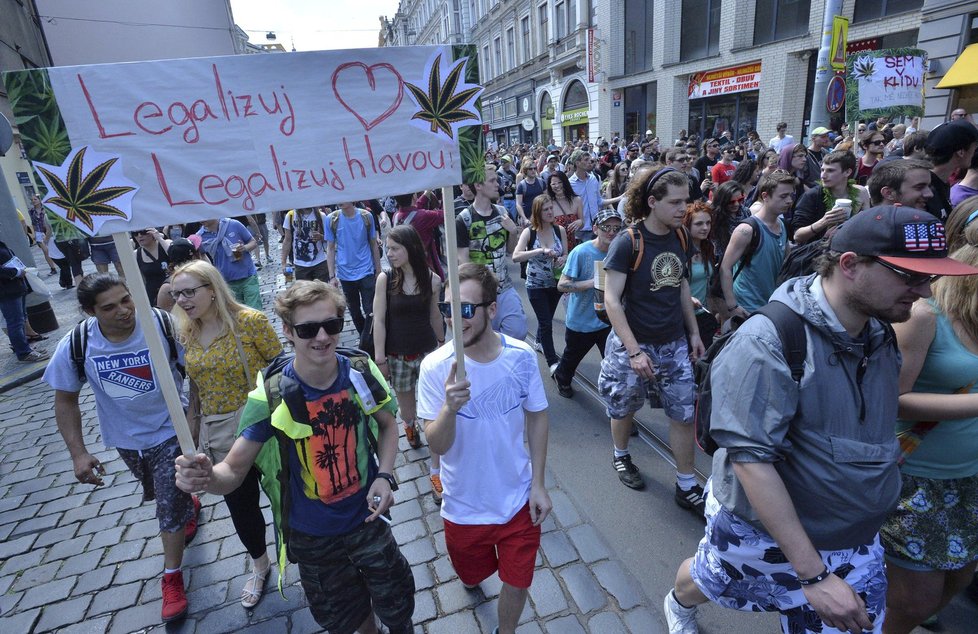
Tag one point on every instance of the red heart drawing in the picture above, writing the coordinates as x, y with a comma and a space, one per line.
371, 80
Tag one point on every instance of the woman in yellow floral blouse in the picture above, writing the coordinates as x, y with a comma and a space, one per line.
226, 344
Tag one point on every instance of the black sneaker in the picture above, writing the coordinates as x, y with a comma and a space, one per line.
628, 473
564, 390
691, 500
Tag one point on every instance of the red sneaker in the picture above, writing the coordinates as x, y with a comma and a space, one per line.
174, 597
190, 528
413, 434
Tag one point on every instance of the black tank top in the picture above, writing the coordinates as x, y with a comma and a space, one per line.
154, 271
409, 324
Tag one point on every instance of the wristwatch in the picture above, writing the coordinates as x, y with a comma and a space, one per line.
389, 479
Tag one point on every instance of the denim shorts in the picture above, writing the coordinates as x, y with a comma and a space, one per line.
740, 567
154, 468
672, 389
104, 253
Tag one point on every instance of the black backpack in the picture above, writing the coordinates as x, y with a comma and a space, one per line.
801, 260
79, 342
794, 345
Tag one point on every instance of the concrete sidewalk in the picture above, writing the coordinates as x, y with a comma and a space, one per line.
78, 559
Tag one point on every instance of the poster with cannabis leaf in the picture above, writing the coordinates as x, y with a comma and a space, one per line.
886, 83
129, 146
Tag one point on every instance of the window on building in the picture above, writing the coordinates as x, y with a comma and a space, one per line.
874, 9
544, 12
700, 29
525, 38
576, 96
510, 48
571, 16
497, 51
638, 35
973, 28
780, 19
457, 17
486, 66
560, 19
509, 108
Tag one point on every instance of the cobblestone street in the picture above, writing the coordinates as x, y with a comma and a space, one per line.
77, 559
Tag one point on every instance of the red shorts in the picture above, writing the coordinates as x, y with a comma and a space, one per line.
478, 550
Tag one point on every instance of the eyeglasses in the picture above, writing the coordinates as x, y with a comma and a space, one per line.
908, 277
877, 142
310, 329
468, 309
610, 228
186, 292
681, 159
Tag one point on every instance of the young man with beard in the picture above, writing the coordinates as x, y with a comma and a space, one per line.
584, 329
747, 288
806, 471
816, 211
905, 182
647, 356
494, 498
586, 185
349, 564
485, 234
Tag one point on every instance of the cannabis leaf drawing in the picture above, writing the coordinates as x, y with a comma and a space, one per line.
81, 195
864, 68
441, 106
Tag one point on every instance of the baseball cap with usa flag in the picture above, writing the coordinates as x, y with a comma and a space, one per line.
905, 237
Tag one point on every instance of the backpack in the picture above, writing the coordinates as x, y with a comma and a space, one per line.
794, 345
334, 220
801, 260
79, 342
638, 250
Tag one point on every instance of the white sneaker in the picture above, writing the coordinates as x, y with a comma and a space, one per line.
680, 620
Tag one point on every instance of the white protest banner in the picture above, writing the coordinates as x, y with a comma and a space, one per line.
195, 139
120, 147
886, 83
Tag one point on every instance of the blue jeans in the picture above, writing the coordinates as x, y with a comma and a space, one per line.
14, 312
360, 298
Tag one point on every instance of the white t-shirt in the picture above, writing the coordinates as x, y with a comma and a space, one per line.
131, 411
486, 473
306, 252
780, 144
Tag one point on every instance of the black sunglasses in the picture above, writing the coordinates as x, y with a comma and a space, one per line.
468, 309
909, 278
310, 329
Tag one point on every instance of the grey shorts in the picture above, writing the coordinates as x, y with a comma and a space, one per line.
672, 389
154, 468
104, 253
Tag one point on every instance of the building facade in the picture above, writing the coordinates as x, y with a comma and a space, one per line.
948, 27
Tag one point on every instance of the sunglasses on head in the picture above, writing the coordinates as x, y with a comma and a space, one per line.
468, 309
909, 278
310, 329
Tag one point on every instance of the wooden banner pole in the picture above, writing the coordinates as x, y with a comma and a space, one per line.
158, 355
451, 251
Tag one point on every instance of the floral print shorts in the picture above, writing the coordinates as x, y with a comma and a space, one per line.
935, 525
738, 566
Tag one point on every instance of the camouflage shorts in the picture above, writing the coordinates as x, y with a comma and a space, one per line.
673, 388
155, 470
345, 576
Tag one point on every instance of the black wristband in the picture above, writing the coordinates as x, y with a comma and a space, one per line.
819, 577
632, 356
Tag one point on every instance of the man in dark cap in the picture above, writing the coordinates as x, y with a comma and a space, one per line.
806, 470
950, 147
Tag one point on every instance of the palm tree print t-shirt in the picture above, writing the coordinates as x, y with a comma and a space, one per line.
331, 470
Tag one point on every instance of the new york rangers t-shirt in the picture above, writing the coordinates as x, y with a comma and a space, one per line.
131, 411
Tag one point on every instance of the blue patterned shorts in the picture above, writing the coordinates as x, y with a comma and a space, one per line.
673, 388
155, 470
738, 566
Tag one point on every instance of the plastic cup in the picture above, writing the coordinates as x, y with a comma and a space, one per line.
846, 204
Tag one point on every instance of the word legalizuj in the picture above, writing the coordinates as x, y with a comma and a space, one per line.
190, 119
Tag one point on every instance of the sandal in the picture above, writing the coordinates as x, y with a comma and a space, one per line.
254, 588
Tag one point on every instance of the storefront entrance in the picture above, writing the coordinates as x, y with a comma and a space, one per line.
712, 116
